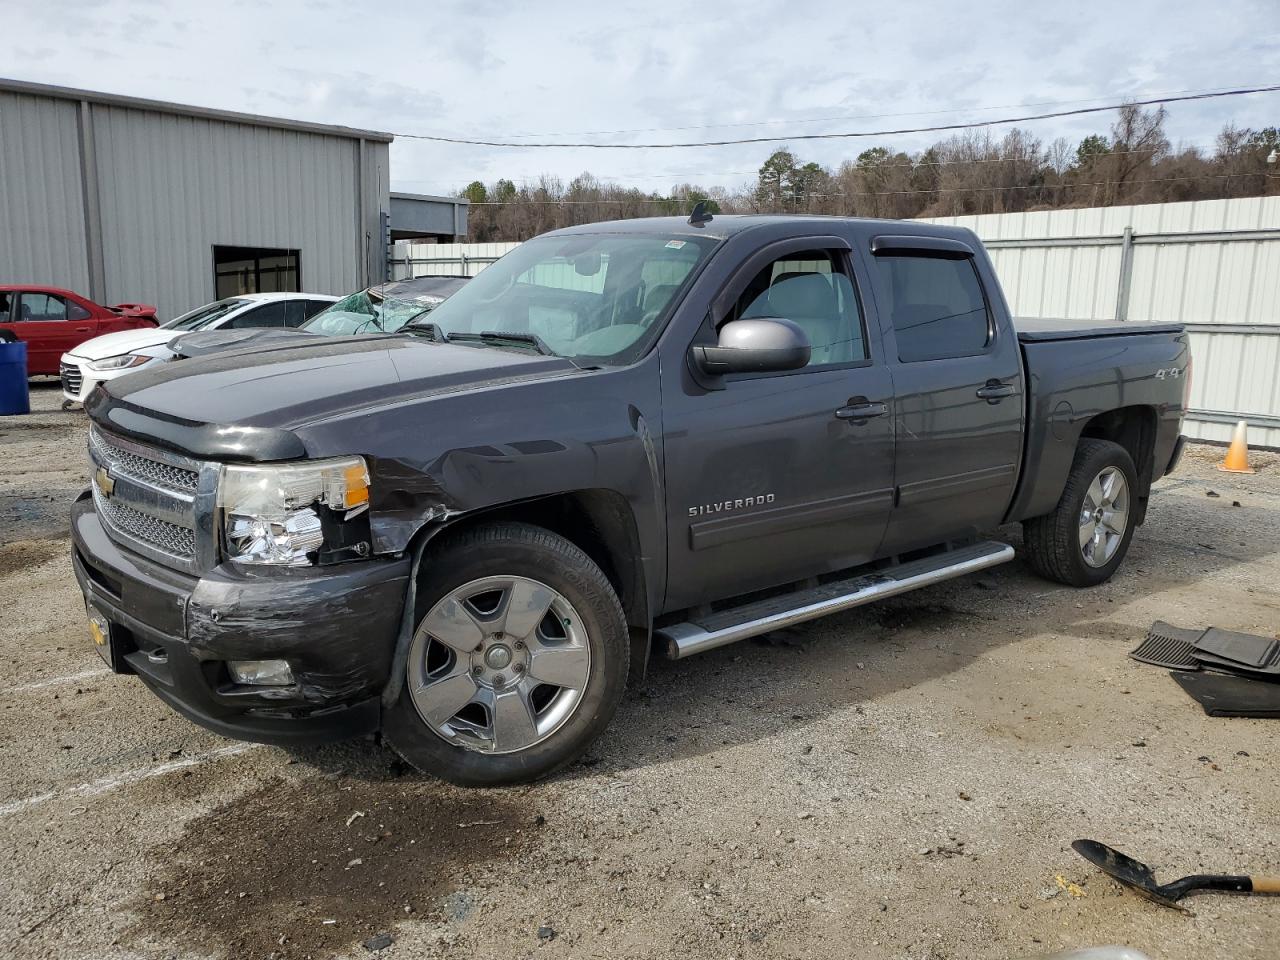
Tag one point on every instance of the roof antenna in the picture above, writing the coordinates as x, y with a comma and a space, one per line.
700, 216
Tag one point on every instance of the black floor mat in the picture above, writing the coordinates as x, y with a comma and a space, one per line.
1249, 651
1211, 662
1168, 646
1226, 696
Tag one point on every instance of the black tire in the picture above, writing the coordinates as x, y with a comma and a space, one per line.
518, 550
1052, 542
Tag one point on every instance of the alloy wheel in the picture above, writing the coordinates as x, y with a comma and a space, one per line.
499, 664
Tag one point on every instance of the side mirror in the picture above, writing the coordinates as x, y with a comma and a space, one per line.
757, 345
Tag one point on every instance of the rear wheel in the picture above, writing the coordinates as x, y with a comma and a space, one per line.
518, 662
1084, 540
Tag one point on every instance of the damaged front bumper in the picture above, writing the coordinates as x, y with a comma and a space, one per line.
336, 626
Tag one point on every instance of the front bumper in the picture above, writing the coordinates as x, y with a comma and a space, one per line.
336, 626
78, 380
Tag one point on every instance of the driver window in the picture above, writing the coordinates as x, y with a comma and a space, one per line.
813, 289
42, 306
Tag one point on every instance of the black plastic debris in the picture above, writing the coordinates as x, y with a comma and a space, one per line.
378, 942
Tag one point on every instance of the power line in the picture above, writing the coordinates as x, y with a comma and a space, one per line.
910, 164
864, 116
893, 193
1079, 111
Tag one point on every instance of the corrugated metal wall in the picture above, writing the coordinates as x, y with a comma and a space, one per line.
42, 224
169, 187
409, 259
1211, 264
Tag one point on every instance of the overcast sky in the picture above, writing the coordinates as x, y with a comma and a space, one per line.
496, 69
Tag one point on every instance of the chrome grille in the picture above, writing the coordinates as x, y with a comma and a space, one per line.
167, 537
147, 498
72, 378
141, 467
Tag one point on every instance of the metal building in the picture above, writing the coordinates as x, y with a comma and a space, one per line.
420, 218
129, 200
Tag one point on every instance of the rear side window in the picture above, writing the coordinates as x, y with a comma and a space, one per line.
936, 304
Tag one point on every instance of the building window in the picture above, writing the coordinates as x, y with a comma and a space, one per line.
238, 270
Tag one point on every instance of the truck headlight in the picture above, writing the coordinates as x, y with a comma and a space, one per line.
295, 514
122, 362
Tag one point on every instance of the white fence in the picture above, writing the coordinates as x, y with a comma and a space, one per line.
1211, 264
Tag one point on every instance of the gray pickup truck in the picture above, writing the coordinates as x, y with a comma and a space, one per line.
625, 437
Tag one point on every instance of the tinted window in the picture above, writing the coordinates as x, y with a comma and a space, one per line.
315, 306
77, 312
294, 312
43, 306
267, 315
936, 305
812, 290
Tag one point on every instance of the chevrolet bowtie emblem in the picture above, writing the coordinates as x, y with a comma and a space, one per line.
104, 481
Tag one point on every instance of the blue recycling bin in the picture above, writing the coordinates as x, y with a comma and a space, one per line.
14, 397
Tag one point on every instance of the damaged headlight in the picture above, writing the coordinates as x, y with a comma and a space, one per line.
295, 513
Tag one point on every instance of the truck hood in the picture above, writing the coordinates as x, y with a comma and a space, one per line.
219, 406
202, 343
125, 341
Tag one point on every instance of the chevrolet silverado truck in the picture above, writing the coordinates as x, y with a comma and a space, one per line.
653, 435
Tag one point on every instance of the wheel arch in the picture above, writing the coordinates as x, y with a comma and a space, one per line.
1134, 428
602, 524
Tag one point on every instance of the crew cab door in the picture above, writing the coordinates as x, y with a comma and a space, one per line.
50, 325
776, 477
957, 378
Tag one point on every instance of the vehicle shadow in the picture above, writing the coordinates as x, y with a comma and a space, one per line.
757, 689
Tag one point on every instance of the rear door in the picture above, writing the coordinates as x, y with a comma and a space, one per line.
957, 379
773, 478
51, 326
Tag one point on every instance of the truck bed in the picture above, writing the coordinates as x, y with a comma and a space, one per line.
1038, 329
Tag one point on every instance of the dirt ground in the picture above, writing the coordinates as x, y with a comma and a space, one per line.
902, 781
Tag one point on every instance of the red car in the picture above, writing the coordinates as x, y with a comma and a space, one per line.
52, 321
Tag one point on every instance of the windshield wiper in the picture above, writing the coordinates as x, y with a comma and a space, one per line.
430, 330
500, 337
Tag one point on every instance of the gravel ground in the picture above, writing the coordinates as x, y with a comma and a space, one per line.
902, 781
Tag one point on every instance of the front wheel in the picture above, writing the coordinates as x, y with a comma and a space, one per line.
1084, 540
518, 662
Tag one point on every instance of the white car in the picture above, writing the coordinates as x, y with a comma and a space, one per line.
115, 354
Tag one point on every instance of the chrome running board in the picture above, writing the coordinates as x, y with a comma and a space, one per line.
762, 616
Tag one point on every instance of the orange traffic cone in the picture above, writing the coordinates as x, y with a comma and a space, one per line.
1237, 458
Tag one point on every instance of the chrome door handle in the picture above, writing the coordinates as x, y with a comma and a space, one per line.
993, 391
862, 410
